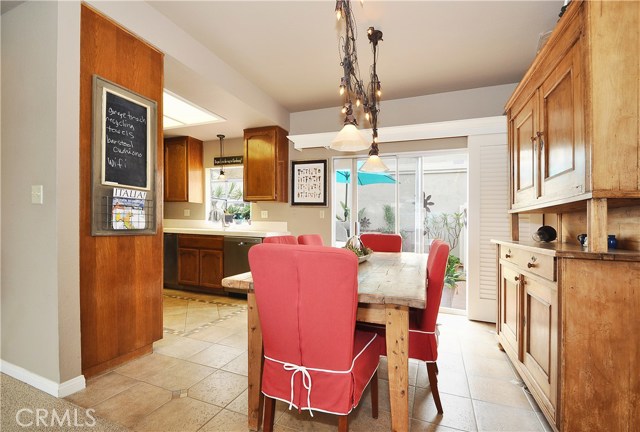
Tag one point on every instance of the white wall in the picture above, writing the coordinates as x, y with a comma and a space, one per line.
458, 105
40, 256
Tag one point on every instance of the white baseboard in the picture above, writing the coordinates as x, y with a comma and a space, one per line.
58, 390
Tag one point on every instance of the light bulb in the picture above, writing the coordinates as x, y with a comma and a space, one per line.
341, 90
344, 110
367, 116
358, 102
221, 176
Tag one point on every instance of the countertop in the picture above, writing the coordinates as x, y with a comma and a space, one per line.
229, 231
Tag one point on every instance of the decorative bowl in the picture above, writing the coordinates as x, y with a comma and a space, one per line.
364, 258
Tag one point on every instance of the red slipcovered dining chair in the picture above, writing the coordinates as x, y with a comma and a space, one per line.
314, 359
310, 240
423, 334
285, 239
379, 242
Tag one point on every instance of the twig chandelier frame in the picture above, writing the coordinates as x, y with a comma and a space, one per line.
354, 91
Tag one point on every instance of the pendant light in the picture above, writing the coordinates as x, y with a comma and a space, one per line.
222, 175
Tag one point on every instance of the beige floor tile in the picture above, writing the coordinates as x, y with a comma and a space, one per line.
458, 411
101, 388
180, 376
219, 388
216, 356
238, 365
303, 422
175, 322
211, 334
179, 415
179, 347
146, 366
510, 393
449, 381
421, 426
240, 405
488, 367
360, 420
134, 403
237, 340
227, 421
499, 418
196, 320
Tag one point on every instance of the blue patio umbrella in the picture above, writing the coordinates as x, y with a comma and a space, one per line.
364, 178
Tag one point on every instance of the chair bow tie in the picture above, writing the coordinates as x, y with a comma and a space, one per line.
306, 382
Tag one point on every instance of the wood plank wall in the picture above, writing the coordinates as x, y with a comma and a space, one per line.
120, 276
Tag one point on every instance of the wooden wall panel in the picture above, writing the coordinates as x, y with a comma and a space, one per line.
120, 276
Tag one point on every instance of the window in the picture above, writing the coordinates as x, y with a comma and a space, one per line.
225, 195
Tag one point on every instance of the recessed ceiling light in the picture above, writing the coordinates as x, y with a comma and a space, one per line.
179, 113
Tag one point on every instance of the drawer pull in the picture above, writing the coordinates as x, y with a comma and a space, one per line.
507, 255
530, 265
517, 278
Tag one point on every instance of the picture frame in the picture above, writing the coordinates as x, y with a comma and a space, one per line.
124, 160
309, 183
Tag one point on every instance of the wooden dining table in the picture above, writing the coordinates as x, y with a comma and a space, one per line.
388, 285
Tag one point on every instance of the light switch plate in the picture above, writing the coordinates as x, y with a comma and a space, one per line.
36, 194
264, 214
321, 214
187, 212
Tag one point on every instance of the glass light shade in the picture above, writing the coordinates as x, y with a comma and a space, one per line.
349, 139
374, 164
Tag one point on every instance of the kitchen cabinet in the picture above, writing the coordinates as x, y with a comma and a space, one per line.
183, 170
266, 164
546, 127
573, 120
567, 322
200, 261
528, 319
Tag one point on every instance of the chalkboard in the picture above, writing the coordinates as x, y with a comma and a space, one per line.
126, 142
124, 163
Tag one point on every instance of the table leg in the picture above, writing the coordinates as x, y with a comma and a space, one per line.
255, 364
397, 325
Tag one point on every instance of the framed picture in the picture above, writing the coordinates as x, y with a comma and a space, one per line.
124, 163
309, 182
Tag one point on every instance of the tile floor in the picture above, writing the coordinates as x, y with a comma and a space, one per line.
196, 380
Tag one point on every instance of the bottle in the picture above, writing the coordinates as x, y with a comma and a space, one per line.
612, 241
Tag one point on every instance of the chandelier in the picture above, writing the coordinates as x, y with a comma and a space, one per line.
222, 175
354, 92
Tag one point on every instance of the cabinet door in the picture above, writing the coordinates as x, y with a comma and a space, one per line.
211, 268
175, 170
524, 160
510, 327
541, 337
188, 266
561, 135
260, 165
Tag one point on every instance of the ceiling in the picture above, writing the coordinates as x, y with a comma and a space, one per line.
289, 49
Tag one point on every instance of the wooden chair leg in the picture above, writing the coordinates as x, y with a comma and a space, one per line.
343, 423
374, 395
269, 413
437, 371
433, 382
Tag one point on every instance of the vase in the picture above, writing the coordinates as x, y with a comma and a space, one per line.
612, 241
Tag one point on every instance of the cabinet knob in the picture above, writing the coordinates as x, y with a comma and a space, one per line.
517, 278
507, 255
530, 265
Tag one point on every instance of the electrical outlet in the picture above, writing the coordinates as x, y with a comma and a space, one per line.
36, 194
321, 214
187, 212
264, 214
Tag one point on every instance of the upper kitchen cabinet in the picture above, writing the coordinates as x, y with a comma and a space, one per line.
573, 119
266, 164
183, 171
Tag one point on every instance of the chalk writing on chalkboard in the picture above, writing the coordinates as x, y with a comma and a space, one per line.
125, 145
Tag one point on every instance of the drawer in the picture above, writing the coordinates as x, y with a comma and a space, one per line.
200, 241
528, 261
